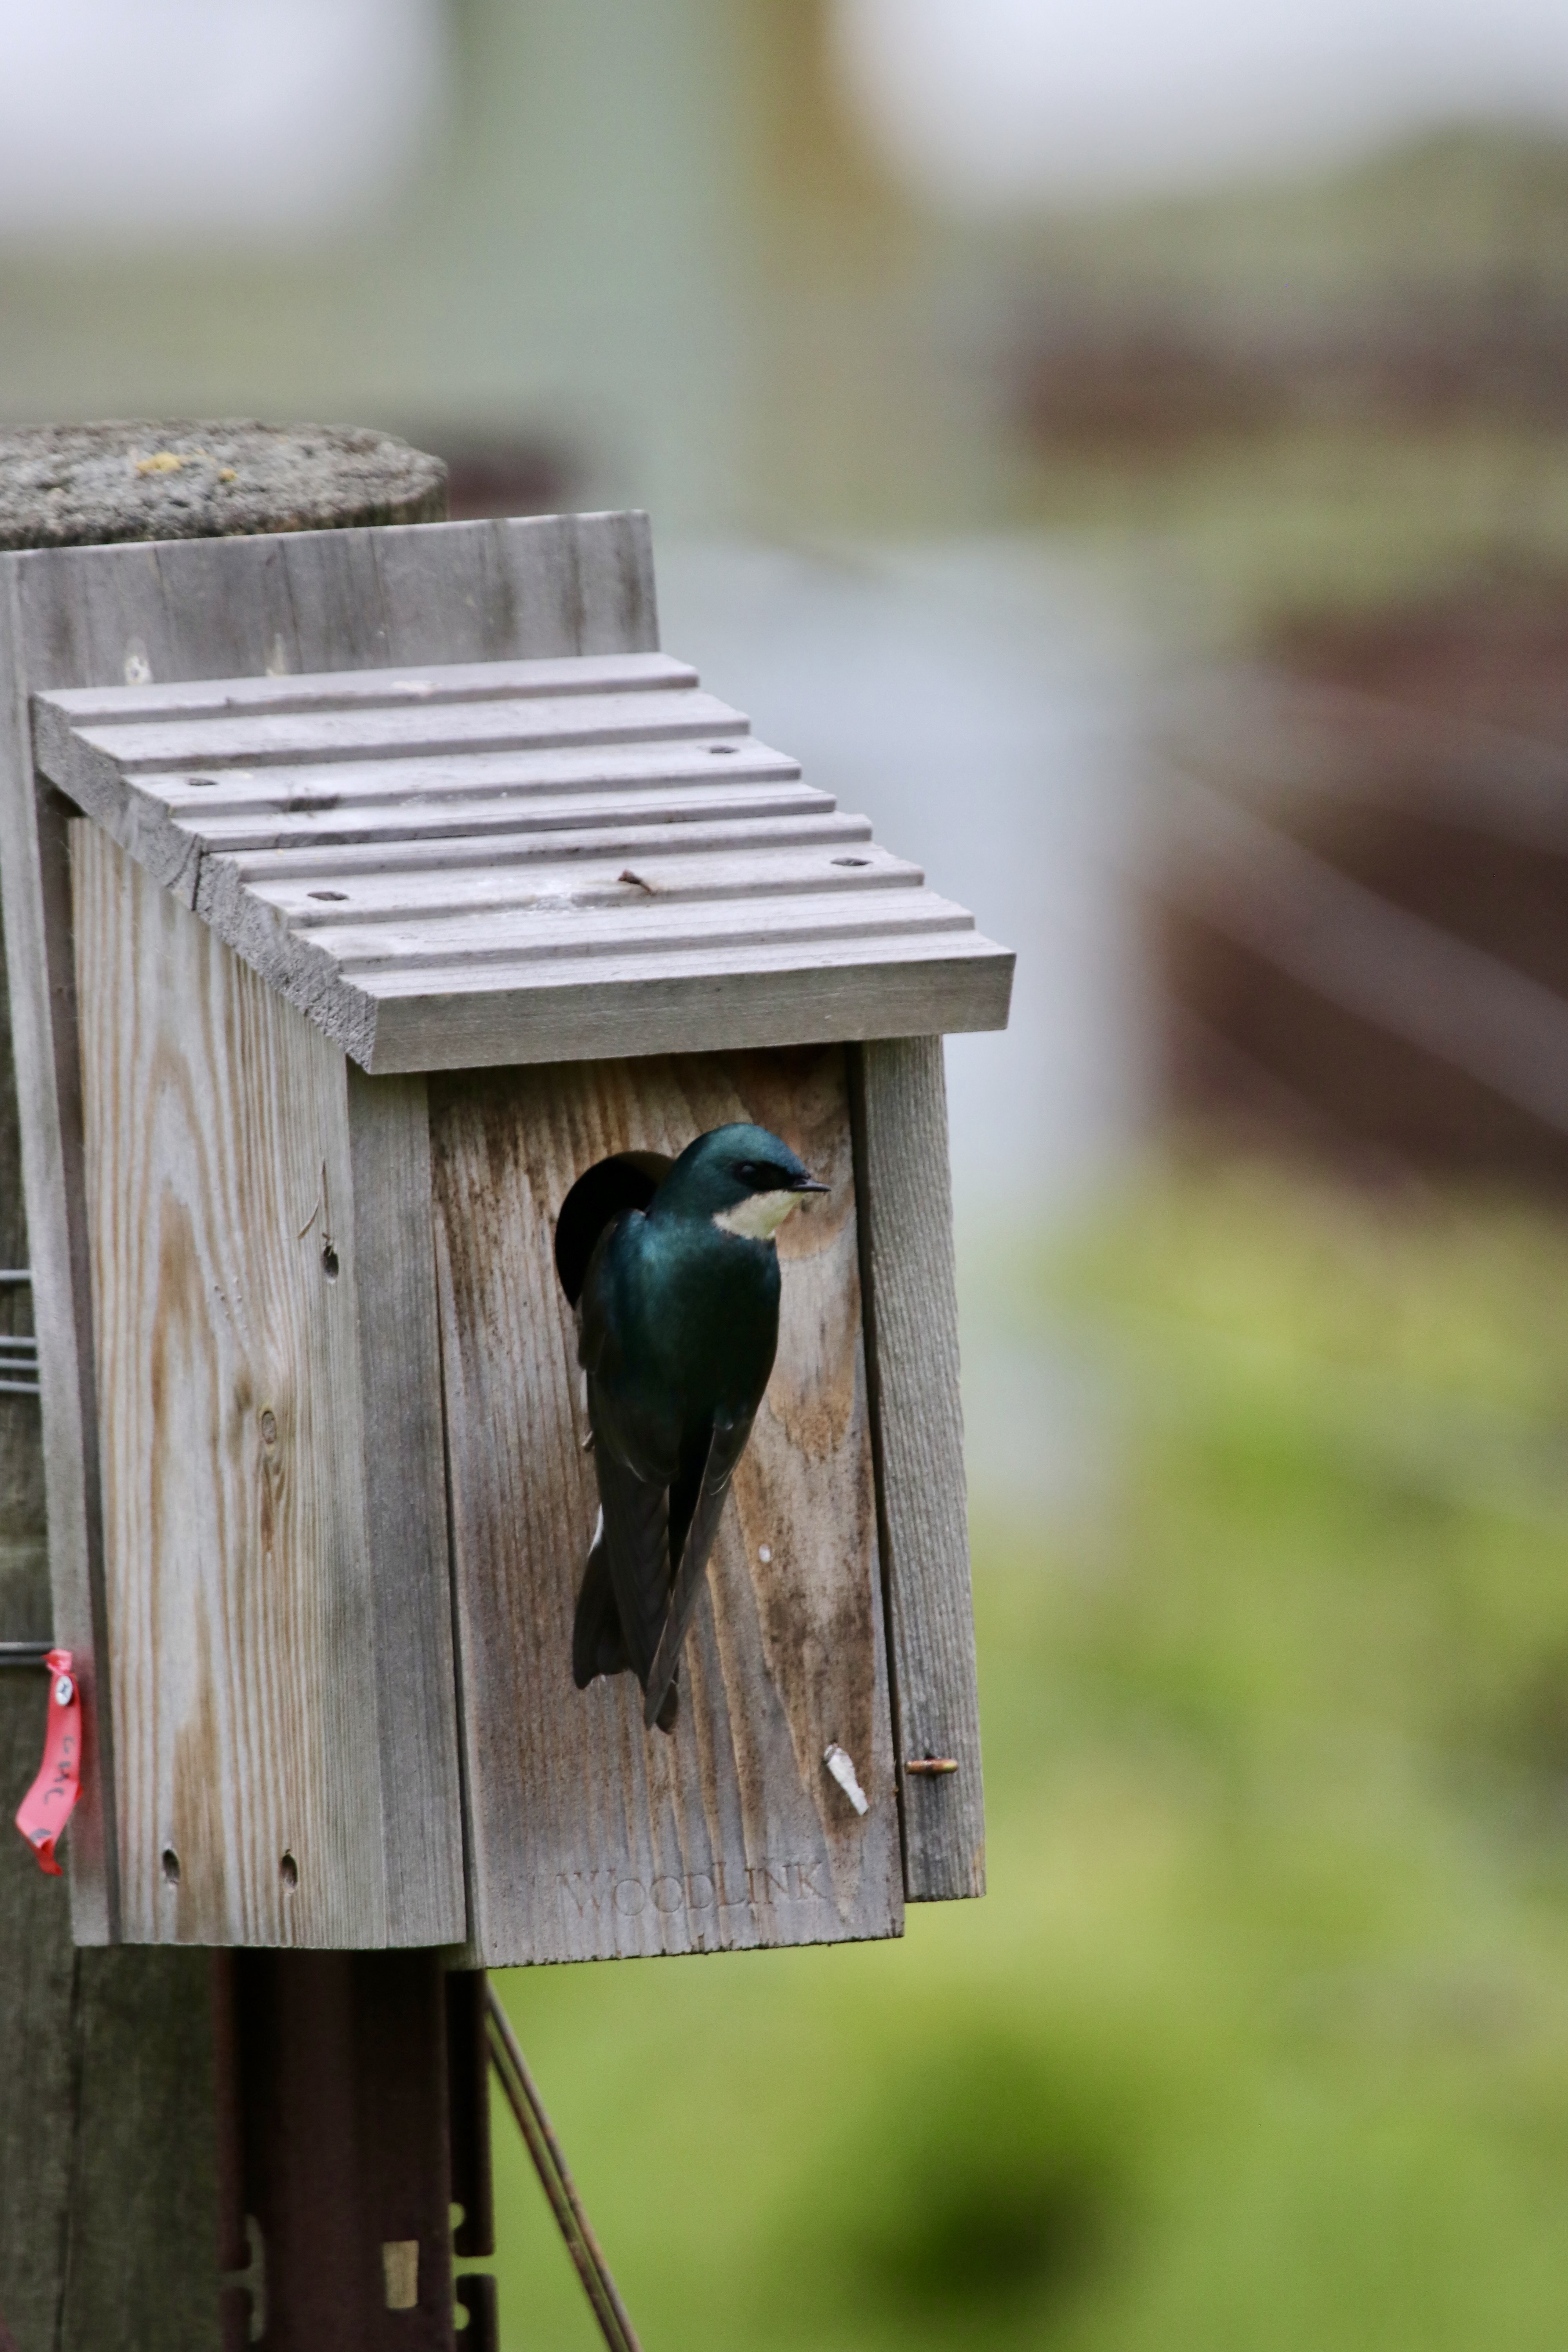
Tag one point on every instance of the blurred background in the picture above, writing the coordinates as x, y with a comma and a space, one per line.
1125, 452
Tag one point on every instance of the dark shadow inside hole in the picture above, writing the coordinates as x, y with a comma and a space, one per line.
628, 1181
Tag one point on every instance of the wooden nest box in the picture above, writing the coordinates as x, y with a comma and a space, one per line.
363, 889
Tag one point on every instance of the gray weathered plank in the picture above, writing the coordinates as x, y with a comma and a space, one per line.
912, 1321
628, 922
590, 1837
729, 999
276, 1573
383, 731
728, 866
329, 601
390, 1248
426, 684
666, 826
36, 880
411, 790
97, 617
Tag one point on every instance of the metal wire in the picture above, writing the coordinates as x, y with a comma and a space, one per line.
523, 2097
26, 1348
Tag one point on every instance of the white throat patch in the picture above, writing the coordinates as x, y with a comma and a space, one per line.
759, 1216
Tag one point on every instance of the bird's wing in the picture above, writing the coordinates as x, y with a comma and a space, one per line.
725, 1447
635, 1541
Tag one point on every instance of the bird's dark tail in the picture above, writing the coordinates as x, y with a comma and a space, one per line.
599, 1645
598, 1639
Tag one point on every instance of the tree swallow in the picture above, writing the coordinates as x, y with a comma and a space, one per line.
680, 1326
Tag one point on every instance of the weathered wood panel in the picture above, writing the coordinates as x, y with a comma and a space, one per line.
277, 1602
35, 877
590, 1837
107, 2154
564, 952
389, 1245
97, 617
912, 1319
423, 684
740, 994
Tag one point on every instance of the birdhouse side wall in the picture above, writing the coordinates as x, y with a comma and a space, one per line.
590, 1837
899, 1095
276, 1579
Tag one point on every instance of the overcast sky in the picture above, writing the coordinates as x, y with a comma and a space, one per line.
1000, 104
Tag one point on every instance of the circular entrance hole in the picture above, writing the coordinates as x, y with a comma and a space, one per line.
628, 1180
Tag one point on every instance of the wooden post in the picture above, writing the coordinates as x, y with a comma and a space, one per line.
109, 2153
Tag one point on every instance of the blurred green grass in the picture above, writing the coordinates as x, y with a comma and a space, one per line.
1259, 2042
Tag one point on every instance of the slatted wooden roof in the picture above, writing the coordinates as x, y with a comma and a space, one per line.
520, 861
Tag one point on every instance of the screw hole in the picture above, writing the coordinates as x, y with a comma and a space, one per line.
288, 1871
330, 1263
170, 1862
339, 897
851, 861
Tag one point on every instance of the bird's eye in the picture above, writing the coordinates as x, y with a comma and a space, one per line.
747, 1171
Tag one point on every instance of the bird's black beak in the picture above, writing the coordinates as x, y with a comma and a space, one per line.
809, 1185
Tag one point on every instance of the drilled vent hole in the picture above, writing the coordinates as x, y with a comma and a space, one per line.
851, 861
722, 750
288, 1871
201, 779
170, 1862
337, 898
330, 1263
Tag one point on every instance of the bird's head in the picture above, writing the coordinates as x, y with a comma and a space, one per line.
742, 1179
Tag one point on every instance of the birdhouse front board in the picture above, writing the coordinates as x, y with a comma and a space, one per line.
410, 889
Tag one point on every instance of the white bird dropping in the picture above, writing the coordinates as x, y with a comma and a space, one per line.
842, 1767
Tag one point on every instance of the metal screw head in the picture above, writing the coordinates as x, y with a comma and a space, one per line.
65, 1690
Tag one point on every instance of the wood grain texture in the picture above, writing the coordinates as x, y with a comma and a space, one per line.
93, 616
420, 684
398, 728
445, 966
900, 1100
275, 1561
107, 2151
735, 997
589, 1837
390, 1245
35, 879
